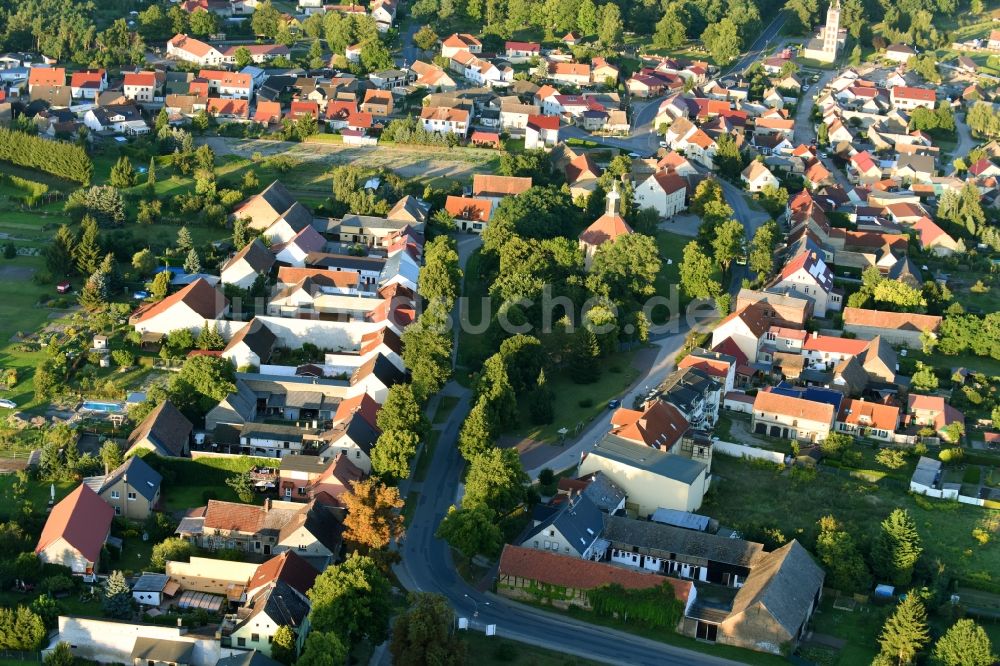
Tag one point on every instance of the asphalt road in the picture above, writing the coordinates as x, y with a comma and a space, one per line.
760, 44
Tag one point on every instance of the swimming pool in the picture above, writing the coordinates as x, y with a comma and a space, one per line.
106, 407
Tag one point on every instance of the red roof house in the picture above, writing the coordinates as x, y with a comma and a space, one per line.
76, 531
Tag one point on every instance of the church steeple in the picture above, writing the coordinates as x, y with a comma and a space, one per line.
613, 201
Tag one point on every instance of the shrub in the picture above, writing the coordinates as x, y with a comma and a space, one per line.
123, 358
953, 454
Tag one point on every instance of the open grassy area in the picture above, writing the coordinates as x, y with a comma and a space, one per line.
671, 248
576, 404
860, 628
38, 494
753, 499
486, 650
177, 497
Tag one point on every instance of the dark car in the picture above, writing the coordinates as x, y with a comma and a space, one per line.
614, 404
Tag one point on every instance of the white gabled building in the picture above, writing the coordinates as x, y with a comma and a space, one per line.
665, 192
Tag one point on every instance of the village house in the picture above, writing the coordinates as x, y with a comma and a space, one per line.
787, 417
143, 86
229, 85
757, 176
308, 478
188, 308
808, 276
182, 47
897, 328
75, 532
247, 265
933, 412
88, 84
907, 98
165, 431
868, 419
443, 120
469, 213
663, 191
132, 490
460, 42
541, 132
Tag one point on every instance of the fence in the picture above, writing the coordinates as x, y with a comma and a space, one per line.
743, 451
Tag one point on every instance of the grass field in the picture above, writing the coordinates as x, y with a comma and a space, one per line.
496, 651
753, 499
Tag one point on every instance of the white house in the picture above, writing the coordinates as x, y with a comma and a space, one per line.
294, 251
188, 308
189, 49
808, 276
757, 176
244, 267
445, 120
663, 191
541, 132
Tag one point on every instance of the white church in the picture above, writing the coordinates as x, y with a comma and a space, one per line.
829, 38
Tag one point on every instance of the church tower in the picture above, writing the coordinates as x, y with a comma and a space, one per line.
831, 32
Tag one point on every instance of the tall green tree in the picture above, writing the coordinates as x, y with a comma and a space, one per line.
393, 452
323, 648
627, 267
266, 20
610, 26
122, 173
696, 273
425, 634
117, 602
283, 645
896, 548
427, 345
761, 256
723, 41
964, 644
88, 249
477, 433
671, 31
728, 243
352, 599
586, 18
846, 569
60, 253
496, 480
904, 633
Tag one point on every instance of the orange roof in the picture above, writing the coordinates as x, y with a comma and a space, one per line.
191, 45
710, 366
891, 320
929, 231
87, 79
228, 107
225, 78
293, 275
909, 92
660, 426
82, 519
200, 296
444, 113
267, 112
144, 79
288, 567
302, 107
605, 228
582, 166
378, 96
490, 185
754, 316
775, 403
47, 76
569, 69
834, 345
546, 91
571, 572
461, 40
360, 119
363, 404
873, 414
233, 516
469, 208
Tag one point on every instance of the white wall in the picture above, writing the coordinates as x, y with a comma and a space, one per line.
742, 451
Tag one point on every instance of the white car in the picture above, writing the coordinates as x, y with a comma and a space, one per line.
7, 404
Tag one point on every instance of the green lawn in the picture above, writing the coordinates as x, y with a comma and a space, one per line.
860, 628
38, 494
178, 497
618, 375
496, 651
410, 507
671, 248
756, 501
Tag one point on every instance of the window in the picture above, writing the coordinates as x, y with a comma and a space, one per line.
131, 497
239, 641
302, 548
255, 638
118, 511
115, 494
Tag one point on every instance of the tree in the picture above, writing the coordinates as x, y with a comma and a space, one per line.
426, 39
476, 435
209, 337
471, 530
184, 240
723, 41
151, 172
728, 243
427, 350
846, 569
61, 655
21, 629
496, 480
610, 26
627, 267
761, 255
323, 648
891, 458
265, 20
88, 249
905, 633
160, 286
283, 645
805, 12
94, 294
353, 600
117, 601
172, 549
242, 485
204, 23
122, 173
896, 548
964, 644
670, 31
144, 261
696, 273
373, 520
192, 263
315, 55
586, 18
59, 254
924, 378
375, 55
111, 456
242, 57
440, 277
393, 452
425, 634
402, 411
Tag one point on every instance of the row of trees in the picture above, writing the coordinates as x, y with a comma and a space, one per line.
59, 158
905, 635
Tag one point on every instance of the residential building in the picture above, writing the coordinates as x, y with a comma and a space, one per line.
744, 329
868, 419
443, 120
541, 132
244, 267
787, 417
88, 84
165, 431
229, 85
132, 489
470, 213
75, 532
308, 478
933, 412
574, 530
495, 188
143, 86
808, 276
251, 346
460, 42
907, 98
651, 478
182, 47
659, 425
378, 103
898, 328
663, 191
188, 308
757, 176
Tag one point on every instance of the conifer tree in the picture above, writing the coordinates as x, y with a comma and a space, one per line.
117, 597
184, 240
151, 174
59, 255
112, 276
95, 292
192, 264
904, 634
122, 173
160, 286
896, 548
209, 338
88, 249
965, 644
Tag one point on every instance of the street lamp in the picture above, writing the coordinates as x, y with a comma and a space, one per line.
475, 610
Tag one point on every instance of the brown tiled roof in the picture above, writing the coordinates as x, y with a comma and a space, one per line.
200, 296
362, 404
165, 427
83, 519
571, 572
292, 275
287, 567
371, 340
233, 516
468, 208
775, 403
660, 426
900, 321
605, 228
863, 412
754, 315
488, 185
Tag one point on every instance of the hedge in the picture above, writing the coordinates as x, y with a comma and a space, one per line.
59, 158
653, 607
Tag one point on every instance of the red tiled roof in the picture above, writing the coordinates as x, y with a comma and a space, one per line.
490, 185
468, 208
571, 572
47, 76
287, 567
90, 79
539, 122
82, 519
605, 228
200, 296
775, 403
660, 426
233, 516
363, 404
267, 112
294, 275
191, 45
891, 320
144, 79
228, 107
835, 345
872, 414
909, 92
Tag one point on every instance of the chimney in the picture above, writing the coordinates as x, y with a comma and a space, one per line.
815, 334
267, 504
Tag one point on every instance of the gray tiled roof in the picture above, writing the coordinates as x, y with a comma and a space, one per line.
669, 539
579, 522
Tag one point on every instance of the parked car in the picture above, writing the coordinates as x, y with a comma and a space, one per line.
614, 404
7, 404
64, 287
140, 295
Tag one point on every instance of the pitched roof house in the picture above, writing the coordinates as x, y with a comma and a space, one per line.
164, 431
188, 308
75, 531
